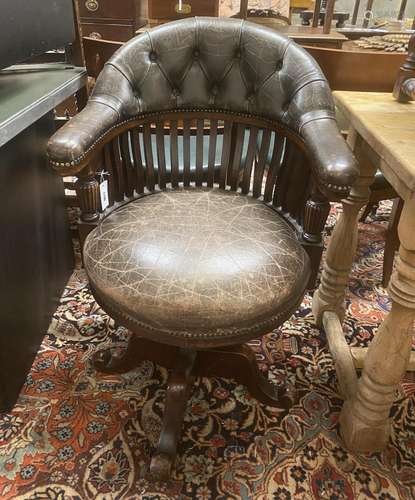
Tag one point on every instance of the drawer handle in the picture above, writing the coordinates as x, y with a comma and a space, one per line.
92, 5
183, 8
95, 35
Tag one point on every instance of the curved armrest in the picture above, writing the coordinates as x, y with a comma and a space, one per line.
112, 100
69, 145
334, 163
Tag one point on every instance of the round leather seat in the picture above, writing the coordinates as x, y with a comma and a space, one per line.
197, 267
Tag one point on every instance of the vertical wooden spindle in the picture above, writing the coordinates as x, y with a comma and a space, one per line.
112, 180
129, 170
274, 167
226, 153
369, 7
161, 155
316, 14
250, 158
213, 135
148, 151
186, 152
243, 11
402, 9
355, 12
328, 16
174, 154
199, 151
118, 168
261, 162
289, 158
138, 161
237, 156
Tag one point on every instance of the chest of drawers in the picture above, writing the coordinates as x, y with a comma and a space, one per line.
165, 10
112, 20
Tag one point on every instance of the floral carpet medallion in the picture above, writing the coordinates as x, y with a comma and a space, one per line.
78, 434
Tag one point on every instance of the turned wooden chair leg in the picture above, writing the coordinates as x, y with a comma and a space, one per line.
391, 241
237, 362
178, 391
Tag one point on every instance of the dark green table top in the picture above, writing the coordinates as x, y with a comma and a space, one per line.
28, 92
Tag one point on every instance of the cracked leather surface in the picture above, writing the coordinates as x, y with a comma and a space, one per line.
198, 264
219, 64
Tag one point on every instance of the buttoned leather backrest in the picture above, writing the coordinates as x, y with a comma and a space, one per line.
225, 64
219, 65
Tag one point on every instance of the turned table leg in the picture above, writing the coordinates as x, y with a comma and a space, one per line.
328, 300
364, 420
343, 242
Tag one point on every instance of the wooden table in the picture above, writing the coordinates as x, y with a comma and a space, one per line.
382, 135
314, 37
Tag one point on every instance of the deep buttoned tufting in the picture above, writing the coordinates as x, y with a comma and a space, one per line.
217, 64
224, 64
196, 265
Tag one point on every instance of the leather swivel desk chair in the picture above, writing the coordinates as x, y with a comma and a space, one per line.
196, 262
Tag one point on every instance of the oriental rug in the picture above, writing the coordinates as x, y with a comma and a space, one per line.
75, 434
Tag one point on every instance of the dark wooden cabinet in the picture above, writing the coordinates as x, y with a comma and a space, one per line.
169, 9
112, 20
35, 243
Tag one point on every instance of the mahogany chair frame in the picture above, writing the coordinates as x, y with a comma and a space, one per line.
315, 209
285, 182
129, 152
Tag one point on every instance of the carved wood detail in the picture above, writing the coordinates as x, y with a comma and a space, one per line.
316, 211
87, 190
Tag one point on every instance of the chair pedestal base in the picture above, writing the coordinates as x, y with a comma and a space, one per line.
237, 362
178, 392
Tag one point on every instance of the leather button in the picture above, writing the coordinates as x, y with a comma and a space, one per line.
280, 64
176, 92
215, 90
251, 97
196, 53
238, 53
153, 56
